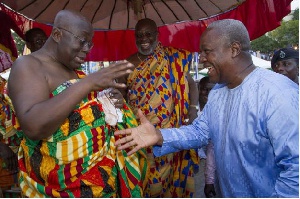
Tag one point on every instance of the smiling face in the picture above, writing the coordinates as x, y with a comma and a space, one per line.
215, 52
146, 36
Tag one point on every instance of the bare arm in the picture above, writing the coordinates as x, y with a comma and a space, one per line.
39, 115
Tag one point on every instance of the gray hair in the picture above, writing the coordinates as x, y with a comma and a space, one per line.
232, 31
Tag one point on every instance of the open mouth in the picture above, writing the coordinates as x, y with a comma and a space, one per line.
80, 59
210, 70
145, 45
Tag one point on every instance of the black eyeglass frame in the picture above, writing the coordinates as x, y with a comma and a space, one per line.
83, 42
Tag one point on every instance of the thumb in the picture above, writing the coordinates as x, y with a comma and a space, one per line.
142, 117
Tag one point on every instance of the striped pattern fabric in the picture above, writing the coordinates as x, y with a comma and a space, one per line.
159, 88
80, 159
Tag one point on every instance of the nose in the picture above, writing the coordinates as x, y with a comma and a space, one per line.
202, 58
279, 67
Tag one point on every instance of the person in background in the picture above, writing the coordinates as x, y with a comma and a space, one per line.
251, 117
8, 142
68, 119
35, 39
163, 89
285, 61
204, 88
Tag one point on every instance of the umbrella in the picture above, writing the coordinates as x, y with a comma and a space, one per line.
180, 22
123, 14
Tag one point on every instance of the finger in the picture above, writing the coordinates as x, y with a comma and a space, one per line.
135, 149
128, 145
123, 132
142, 117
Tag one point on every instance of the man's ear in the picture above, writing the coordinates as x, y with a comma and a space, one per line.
56, 34
235, 48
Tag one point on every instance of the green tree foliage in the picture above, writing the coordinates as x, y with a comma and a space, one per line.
286, 35
20, 43
264, 44
296, 14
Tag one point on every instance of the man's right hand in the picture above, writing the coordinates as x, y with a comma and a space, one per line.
144, 135
105, 78
9, 157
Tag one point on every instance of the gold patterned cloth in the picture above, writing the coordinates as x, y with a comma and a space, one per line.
158, 86
80, 159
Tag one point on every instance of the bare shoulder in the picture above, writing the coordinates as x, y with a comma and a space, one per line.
25, 64
25, 69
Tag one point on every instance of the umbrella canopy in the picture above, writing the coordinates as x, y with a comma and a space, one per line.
123, 14
179, 25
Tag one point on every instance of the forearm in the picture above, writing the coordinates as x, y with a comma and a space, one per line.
185, 137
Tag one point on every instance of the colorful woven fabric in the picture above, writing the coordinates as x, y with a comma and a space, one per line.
159, 88
80, 159
7, 135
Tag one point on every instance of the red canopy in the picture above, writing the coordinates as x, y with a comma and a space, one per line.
259, 16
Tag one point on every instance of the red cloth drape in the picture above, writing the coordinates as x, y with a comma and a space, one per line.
8, 50
259, 16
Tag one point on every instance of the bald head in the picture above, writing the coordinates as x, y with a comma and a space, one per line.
144, 22
69, 19
232, 30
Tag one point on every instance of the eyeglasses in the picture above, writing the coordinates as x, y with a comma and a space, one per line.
83, 42
147, 34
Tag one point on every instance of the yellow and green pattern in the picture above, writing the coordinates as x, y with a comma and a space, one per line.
80, 159
158, 86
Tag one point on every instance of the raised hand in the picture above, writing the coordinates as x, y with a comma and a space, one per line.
144, 135
105, 78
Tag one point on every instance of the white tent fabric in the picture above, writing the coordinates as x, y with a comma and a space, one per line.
261, 62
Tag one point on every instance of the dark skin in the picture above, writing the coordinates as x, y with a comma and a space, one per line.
146, 36
36, 40
288, 68
229, 65
34, 76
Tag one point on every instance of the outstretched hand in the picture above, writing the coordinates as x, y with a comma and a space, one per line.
144, 135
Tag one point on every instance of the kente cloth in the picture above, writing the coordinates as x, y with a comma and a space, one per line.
159, 88
7, 134
80, 159
7, 117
